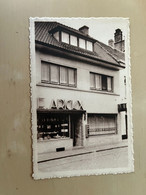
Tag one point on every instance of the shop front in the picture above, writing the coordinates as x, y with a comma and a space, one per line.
59, 129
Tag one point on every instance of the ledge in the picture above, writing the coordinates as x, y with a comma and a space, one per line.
75, 89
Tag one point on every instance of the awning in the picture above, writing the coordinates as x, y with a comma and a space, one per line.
60, 111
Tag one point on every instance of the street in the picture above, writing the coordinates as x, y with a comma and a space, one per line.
114, 158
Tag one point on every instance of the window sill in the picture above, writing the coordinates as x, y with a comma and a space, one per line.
53, 139
74, 88
102, 134
102, 91
57, 84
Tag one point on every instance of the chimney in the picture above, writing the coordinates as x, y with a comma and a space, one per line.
111, 43
84, 29
119, 43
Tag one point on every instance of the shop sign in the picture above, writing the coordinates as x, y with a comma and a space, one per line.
66, 105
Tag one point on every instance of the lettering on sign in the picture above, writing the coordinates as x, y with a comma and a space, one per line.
66, 105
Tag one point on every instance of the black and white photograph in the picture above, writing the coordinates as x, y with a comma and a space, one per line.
81, 101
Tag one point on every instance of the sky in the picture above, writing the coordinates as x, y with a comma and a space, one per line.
101, 29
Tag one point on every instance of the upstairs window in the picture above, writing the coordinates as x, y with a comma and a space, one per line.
45, 72
101, 82
82, 43
73, 40
89, 46
54, 70
56, 74
65, 37
63, 75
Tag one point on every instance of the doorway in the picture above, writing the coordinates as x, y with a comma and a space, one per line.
77, 129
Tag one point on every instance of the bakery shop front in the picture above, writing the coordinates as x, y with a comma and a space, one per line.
60, 127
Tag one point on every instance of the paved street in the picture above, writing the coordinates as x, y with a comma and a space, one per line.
114, 158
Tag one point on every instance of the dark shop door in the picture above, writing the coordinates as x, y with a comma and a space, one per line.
76, 129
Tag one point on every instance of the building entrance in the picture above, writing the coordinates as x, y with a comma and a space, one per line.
77, 129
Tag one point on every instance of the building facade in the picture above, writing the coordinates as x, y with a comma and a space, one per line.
80, 89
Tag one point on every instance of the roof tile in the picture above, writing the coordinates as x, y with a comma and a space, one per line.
102, 51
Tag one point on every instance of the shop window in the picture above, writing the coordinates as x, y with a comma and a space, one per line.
101, 82
52, 126
55, 74
101, 124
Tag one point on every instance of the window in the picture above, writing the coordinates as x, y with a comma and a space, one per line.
56, 74
101, 82
65, 37
82, 43
52, 126
63, 75
89, 46
45, 72
100, 124
73, 40
71, 76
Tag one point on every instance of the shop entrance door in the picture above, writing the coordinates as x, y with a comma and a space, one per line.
76, 129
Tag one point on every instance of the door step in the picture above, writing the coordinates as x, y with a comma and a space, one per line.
78, 147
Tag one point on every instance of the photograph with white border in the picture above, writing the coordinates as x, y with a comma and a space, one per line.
81, 99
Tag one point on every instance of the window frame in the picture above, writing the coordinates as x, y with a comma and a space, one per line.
101, 130
49, 81
51, 128
78, 37
102, 77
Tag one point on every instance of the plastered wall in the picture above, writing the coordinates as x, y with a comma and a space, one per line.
15, 123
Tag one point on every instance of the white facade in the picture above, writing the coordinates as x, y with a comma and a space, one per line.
92, 101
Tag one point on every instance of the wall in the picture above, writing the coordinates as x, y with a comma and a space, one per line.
83, 70
51, 145
92, 102
15, 122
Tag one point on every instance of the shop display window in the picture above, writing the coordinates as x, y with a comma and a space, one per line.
52, 126
100, 124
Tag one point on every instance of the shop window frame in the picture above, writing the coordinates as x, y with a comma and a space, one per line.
103, 131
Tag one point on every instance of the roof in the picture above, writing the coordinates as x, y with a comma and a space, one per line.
118, 55
101, 51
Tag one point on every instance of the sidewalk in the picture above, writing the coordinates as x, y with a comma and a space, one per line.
50, 156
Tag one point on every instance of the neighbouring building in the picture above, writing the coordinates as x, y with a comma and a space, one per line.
80, 88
